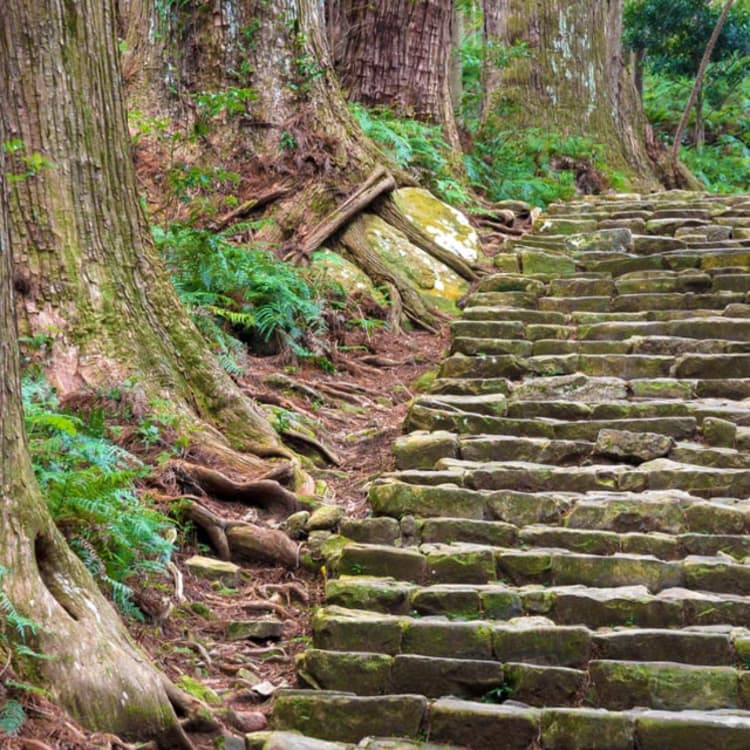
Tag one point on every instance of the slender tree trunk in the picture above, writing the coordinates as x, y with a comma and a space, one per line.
398, 55
573, 81
698, 86
86, 272
95, 672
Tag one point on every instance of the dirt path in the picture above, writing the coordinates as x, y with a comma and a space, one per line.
358, 411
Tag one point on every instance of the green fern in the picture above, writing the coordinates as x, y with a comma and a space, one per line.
237, 291
89, 485
12, 717
416, 146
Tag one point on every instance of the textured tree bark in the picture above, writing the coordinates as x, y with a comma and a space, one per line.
397, 54
573, 80
86, 272
96, 672
277, 49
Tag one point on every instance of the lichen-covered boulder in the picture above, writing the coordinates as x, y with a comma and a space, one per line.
352, 279
445, 225
434, 280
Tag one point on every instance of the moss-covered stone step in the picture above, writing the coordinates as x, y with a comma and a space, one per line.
650, 282
656, 474
589, 318
627, 366
668, 511
504, 299
378, 674
468, 563
423, 418
610, 684
703, 455
618, 685
658, 345
639, 302
517, 408
505, 314
535, 640
493, 404
504, 623
714, 327
481, 346
345, 717
621, 606
412, 531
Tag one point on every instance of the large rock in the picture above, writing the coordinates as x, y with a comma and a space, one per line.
355, 282
445, 225
638, 446
432, 278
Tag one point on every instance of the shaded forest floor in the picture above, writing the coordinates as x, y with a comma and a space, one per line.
380, 373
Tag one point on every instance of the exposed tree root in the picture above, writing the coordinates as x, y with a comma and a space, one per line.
287, 589
300, 437
379, 182
264, 493
390, 212
252, 543
269, 196
268, 606
357, 247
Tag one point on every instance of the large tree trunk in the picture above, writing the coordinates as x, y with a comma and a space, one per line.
397, 54
95, 672
86, 273
573, 81
297, 132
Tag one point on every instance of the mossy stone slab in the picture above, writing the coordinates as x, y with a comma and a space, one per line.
348, 718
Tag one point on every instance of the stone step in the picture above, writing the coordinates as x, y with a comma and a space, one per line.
663, 282
655, 474
517, 407
378, 674
667, 511
729, 329
586, 388
664, 546
604, 683
594, 608
626, 366
423, 418
513, 624
619, 685
463, 563
477, 726
657, 345
638, 302
505, 314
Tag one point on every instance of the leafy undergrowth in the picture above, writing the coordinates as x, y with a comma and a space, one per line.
89, 484
722, 163
530, 165
359, 424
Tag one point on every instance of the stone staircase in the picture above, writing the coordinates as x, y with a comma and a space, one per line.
559, 561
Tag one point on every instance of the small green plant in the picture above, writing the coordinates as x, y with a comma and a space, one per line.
238, 291
499, 694
89, 485
417, 146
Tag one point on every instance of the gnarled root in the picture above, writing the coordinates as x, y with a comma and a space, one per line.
264, 493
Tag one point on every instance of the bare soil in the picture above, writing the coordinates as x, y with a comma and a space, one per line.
359, 411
